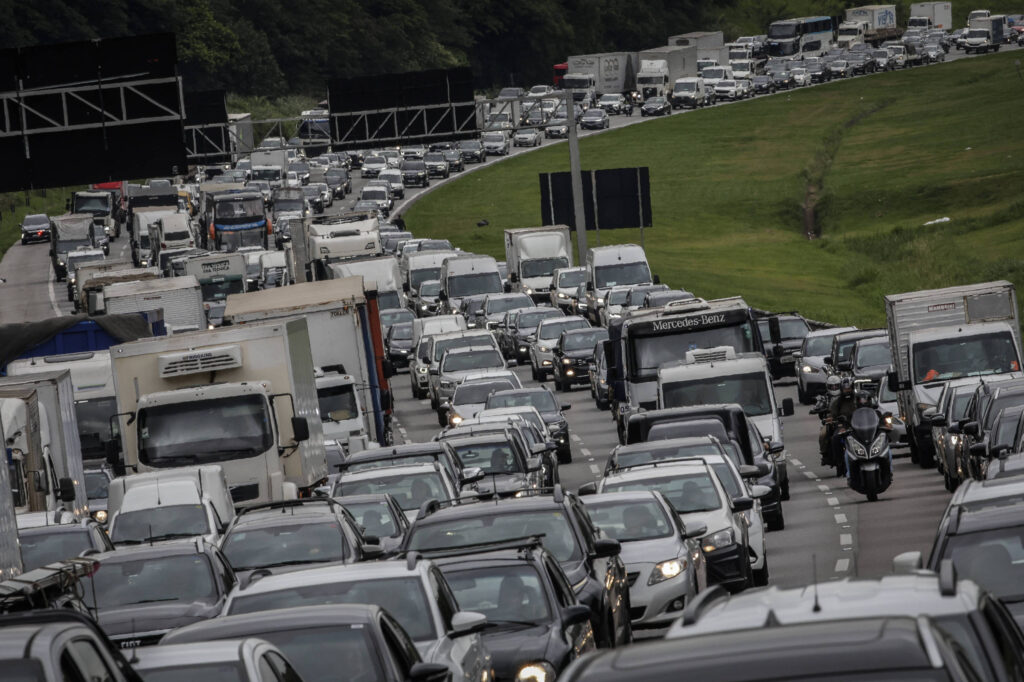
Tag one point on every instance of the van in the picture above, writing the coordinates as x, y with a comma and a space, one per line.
609, 266
468, 275
175, 232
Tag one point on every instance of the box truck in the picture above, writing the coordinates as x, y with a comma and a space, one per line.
10, 548
928, 15
219, 275
871, 24
613, 72
532, 255
242, 397
180, 299
660, 67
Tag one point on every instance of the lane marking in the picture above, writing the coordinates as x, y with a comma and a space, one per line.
585, 452
594, 469
842, 565
575, 438
832, 501
840, 518
823, 487
810, 474
845, 539
52, 293
424, 402
795, 461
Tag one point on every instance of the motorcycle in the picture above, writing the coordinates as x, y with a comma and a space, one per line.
866, 453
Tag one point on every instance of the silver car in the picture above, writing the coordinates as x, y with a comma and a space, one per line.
439, 343
665, 566
456, 364
810, 362
544, 339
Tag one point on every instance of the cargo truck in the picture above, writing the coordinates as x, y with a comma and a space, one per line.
928, 15
423, 266
67, 233
269, 157
180, 299
336, 238
344, 335
533, 254
942, 334
236, 218
383, 273
10, 548
46, 453
985, 34
467, 275
101, 206
613, 72
871, 24
242, 397
660, 67
219, 275
90, 290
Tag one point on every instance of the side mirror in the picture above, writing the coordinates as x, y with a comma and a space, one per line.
742, 503
467, 622
577, 614
938, 419
979, 450
655, 279
533, 464
442, 296
300, 429
322, 491
587, 489
507, 287
693, 529
774, 330
372, 550
565, 406
590, 286
429, 672
787, 407
797, 355
66, 490
471, 475
513, 276
907, 563
775, 447
972, 429
750, 471
605, 548
760, 491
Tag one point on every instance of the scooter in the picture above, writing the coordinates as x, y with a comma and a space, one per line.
866, 454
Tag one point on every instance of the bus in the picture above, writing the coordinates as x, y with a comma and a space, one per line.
801, 37
314, 134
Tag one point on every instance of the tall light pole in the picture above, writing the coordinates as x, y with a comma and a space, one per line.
577, 178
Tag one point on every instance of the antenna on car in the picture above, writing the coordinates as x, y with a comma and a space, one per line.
814, 574
135, 649
150, 525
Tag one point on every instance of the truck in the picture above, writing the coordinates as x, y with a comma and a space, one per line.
219, 275
242, 397
937, 335
467, 275
609, 266
335, 238
144, 197
927, 15
582, 87
381, 272
268, 157
423, 266
180, 299
985, 34
145, 240
613, 72
343, 322
660, 67
100, 204
10, 549
89, 285
710, 45
871, 24
533, 254
236, 218
44, 448
67, 233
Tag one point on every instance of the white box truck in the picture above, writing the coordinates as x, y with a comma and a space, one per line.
344, 337
660, 67
180, 298
382, 273
219, 275
10, 548
242, 397
613, 72
928, 15
871, 24
942, 334
532, 255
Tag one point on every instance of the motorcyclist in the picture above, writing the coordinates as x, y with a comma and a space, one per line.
832, 388
841, 409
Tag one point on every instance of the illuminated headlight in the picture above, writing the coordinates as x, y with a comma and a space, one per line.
566, 361
614, 316
456, 420
722, 538
536, 672
100, 515
60, 263
888, 420
561, 295
546, 363
881, 442
807, 369
570, 373
422, 370
954, 439
522, 349
144, 263
527, 291
543, 349
470, 325
423, 306
666, 570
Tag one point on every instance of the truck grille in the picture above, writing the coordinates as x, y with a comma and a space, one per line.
206, 360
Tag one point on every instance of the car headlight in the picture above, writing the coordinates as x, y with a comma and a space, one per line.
566, 361
666, 570
423, 370
921, 407
722, 538
456, 420
100, 515
60, 263
807, 369
614, 316
423, 306
954, 439
881, 441
527, 291
543, 349
561, 295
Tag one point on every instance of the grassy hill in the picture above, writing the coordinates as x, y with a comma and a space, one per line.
877, 158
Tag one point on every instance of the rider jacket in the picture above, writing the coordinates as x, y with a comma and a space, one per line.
843, 406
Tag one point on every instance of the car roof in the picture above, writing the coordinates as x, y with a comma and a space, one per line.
371, 570
1009, 515
169, 548
192, 653
655, 470
408, 469
492, 507
241, 625
973, 491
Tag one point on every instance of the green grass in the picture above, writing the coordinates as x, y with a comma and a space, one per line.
50, 202
890, 152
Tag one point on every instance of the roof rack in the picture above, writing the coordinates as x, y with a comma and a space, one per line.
41, 587
696, 608
656, 463
520, 543
947, 578
288, 504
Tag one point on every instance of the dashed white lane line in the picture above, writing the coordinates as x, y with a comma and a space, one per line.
795, 461
832, 501
809, 474
842, 565
594, 469
823, 487
424, 402
840, 518
845, 539
53, 295
585, 452
575, 438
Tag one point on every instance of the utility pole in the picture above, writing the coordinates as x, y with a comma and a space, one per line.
577, 180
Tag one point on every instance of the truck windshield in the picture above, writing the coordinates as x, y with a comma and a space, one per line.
92, 204
849, 31
421, 275
977, 33
94, 425
874, 354
337, 403
572, 83
218, 291
750, 391
268, 174
782, 30
945, 359
461, 286
650, 352
165, 522
232, 240
606, 276
204, 431
239, 208
685, 87
543, 267
282, 205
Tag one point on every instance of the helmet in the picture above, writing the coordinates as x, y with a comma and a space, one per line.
846, 386
832, 386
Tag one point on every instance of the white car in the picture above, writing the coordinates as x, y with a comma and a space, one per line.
800, 76
527, 137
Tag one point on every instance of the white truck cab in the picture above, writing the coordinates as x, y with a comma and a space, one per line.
341, 410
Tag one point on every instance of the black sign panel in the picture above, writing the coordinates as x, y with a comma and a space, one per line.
686, 322
613, 199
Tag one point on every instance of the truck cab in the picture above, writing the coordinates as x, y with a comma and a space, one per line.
101, 206
341, 411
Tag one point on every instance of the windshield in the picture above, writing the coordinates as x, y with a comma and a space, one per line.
97, 484
441, 345
218, 291
374, 194
1004, 400
233, 240
686, 493
460, 286
174, 578
685, 87
993, 558
401, 332
977, 33
714, 72
91, 204
782, 30
284, 205
144, 240
204, 431
403, 598
337, 403
410, 490
572, 278
749, 390
542, 267
374, 517
507, 595
500, 305
658, 453
477, 391
94, 425
316, 652
558, 535
215, 671
873, 354
542, 400
945, 359
266, 174
651, 352
238, 208
550, 330
160, 523
300, 543
393, 316
529, 319
617, 297
39, 548
584, 340
492, 137
414, 165
430, 287
631, 521
571, 83
473, 359
495, 457
606, 276
817, 346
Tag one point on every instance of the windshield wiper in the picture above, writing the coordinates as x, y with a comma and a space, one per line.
491, 622
170, 536
151, 601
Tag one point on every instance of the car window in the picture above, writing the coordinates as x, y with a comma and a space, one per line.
91, 665
1007, 637
446, 602
284, 670
563, 591
403, 652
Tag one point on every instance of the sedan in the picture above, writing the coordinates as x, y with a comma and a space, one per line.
35, 228
595, 119
763, 85
613, 104
495, 143
656, 106
728, 89
840, 68
437, 164
454, 160
784, 79
527, 137
557, 127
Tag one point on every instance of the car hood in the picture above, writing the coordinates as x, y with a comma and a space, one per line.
592, 119
768, 425
715, 520
501, 483
815, 361
513, 645
468, 410
578, 354
538, 283
551, 418
143, 618
873, 372
639, 553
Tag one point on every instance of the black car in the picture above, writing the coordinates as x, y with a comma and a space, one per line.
35, 228
590, 562
818, 73
793, 329
141, 593
533, 617
399, 344
340, 182
763, 85
414, 172
573, 354
312, 194
454, 159
656, 106
437, 165
355, 159
782, 79
44, 545
550, 411
472, 151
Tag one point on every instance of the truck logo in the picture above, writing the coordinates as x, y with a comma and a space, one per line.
939, 307
216, 266
704, 320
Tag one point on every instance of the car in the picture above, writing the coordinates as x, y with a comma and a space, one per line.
527, 137
563, 283
454, 160
521, 327
35, 227
46, 537
950, 408
414, 172
529, 437
437, 164
294, 534
373, 165
248, 660
572, 355
472, 151
413, 591
590, 562
395, 180
312, 194
728, 90
540, 90
665, 566
802, 77
557, 127
495, 143
613, 103
597, 373
696, 493
595, 119
471, 395
140, 593
551, 411
506, 466
839, 68
762, 84
424, 299
391, 316
870, 362
393, 156
656, 106
544, 339
97, 484
535, 624
437, 344
810, 360
456, 363
378, 515
510, 93
398, 344
784, 79
413, 151
407, 453
328, 642
411, 484
377, 197
781, 357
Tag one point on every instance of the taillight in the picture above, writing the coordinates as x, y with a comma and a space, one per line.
162, 245
213, 234
270, 227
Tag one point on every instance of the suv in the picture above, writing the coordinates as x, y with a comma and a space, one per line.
61, 536
414, 591
590, 561
810, 363
549, 408
409, 484
456, 364
35, 228
543, 342
792, 330
521, 327
573, 354
439, 344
